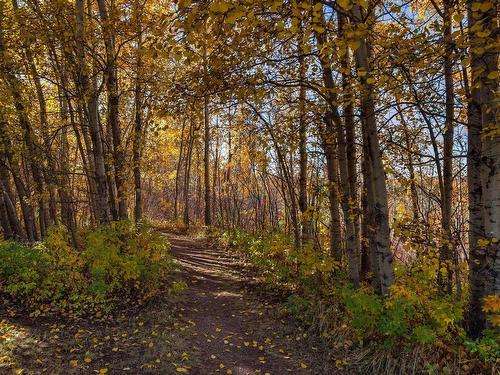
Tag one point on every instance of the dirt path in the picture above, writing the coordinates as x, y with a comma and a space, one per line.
218, 325
234, 331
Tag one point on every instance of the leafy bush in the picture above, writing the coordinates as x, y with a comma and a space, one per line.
405, 317
276, 258
114, 260
488, 346
23, 270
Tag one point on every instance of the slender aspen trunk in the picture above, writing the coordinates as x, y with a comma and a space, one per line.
138, 121
334, 130
303, 204
445, 273
8, 198
113, 107
89, 99
375, 159
178, 171
4, 218
187, 172
332, 166
206, 162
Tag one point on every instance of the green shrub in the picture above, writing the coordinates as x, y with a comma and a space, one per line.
279, 262
488, 347
115, 260
23, 270
121, 255
406, 317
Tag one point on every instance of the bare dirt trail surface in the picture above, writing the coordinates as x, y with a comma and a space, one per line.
234, 330
222, 323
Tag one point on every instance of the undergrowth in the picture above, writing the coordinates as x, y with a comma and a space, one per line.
414, 330
112, 263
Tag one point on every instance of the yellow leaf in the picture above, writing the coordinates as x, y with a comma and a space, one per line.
87, 360
491, 304
73, 363
363, 3
345, 4
485, 6
354, 44
219, 7
494, 75
319, 29
482, 242
103, 370
458, 17
303, 365
182, 369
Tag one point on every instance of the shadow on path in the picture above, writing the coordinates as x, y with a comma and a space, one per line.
232, 330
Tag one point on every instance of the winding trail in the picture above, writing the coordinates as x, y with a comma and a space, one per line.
222, 323
233, 329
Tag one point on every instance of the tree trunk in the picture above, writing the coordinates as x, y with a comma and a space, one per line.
206, 162
187, 172
445, 274
138, 123
333, 185
334, 131
178, 171
375, 160
303, 204
89, 99
113, 107
483, 169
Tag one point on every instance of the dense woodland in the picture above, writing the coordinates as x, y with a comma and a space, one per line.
345, 145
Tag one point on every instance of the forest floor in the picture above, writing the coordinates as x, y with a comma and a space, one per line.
222, 323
